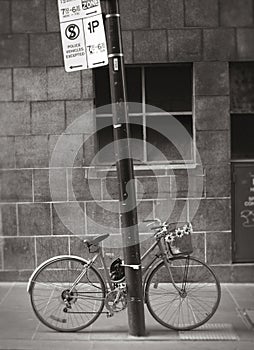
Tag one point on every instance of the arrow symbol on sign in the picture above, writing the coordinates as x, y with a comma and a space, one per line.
94, 64
90, 13
71, 67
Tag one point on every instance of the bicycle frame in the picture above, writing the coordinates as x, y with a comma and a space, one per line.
145, 269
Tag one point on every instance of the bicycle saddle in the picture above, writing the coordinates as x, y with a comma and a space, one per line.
93, 241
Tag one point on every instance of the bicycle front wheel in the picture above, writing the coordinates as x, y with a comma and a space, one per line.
61, 306
184, 294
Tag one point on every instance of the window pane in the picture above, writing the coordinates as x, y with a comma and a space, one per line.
169, 87
137, 137
105, 139
134, 89
102, 89
242, 87
242, 128
159, 146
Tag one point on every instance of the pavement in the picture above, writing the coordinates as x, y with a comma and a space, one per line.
232, 327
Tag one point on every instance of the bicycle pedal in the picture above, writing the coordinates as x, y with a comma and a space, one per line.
109, 314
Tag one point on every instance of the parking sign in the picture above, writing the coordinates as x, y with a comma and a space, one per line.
83, 35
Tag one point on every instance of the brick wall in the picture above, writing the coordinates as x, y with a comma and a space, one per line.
38, 101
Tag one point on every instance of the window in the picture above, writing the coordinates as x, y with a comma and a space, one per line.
242, 109
168, 87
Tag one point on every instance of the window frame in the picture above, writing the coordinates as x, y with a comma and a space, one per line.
170, 164
236, 112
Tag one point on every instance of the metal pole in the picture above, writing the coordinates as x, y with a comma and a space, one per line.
124, 164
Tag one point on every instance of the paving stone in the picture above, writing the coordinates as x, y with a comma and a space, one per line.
80, 115
30, 84
47, 247
19, 253
187, 186
62, 85
87, 86
198, 244
236, 13
127, 46
82, 188
167, 14
16, 186
68, 218
90, 150
5, 85
243, 273
211, 78
78, 248
201, 13
50, 183
28, 16
66, 150
110, 188
46, 50
31, 151
213, 146
212, 112
184, 45
102, 217
5, 17
134, 15
34, 219
245, 43
14, 50
7, 154
212, 214
219, 44
218, 180
8, 220
15, 118
145, 212
144, 48
153, 187
218, 247
52, 17
48, 117
171, 210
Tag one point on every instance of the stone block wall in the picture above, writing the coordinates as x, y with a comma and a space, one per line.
39, 100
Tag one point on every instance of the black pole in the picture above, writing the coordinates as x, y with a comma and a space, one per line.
124, 165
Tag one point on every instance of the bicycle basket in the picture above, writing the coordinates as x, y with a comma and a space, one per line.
179, 240
116, 271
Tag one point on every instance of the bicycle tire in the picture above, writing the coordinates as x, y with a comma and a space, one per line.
49, 287
195, 303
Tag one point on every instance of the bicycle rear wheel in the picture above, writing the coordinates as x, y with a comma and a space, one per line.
56, 305
191, 302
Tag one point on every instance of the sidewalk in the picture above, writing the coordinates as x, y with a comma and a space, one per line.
232, 327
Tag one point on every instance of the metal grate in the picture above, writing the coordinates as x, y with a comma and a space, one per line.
209, 331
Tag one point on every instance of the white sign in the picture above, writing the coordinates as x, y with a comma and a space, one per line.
83, 34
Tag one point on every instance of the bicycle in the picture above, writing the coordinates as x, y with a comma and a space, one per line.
68, 293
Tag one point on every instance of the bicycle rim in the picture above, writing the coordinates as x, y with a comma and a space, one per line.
192, 303
50, 287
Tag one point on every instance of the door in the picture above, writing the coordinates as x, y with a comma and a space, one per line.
243, 212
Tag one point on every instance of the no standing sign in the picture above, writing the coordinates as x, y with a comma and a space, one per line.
83, 34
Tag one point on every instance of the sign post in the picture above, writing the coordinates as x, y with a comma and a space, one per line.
124, 164
84, 46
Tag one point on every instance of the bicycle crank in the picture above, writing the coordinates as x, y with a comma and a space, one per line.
116, 301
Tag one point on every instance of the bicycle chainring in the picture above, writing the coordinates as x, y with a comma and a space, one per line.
116, 300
